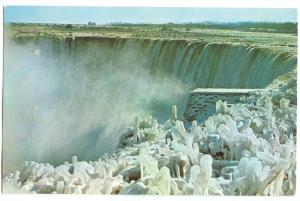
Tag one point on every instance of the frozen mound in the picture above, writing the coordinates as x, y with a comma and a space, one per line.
247, 148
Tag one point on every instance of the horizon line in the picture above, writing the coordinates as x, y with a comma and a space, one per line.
157, 23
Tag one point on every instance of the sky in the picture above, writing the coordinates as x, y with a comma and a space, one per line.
104, 15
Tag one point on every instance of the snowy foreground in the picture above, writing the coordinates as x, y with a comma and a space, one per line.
243, 149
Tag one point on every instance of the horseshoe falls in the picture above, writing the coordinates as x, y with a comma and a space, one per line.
77, 95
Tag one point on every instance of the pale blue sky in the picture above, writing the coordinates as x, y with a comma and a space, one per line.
102, 15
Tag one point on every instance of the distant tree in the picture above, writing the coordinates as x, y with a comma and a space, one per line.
91, 23
166, 27
69, 26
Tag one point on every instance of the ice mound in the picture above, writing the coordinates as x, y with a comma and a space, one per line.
243, 149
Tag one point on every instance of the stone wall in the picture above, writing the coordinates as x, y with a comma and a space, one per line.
202, 101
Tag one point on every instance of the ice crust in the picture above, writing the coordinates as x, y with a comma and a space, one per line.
247, 148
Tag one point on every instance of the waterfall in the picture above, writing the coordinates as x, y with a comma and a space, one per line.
79, 95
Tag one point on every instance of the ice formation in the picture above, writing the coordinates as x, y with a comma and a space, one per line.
246, 148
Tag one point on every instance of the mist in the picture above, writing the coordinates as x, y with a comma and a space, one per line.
55, 107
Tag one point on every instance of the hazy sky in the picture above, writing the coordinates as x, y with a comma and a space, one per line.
102, 15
